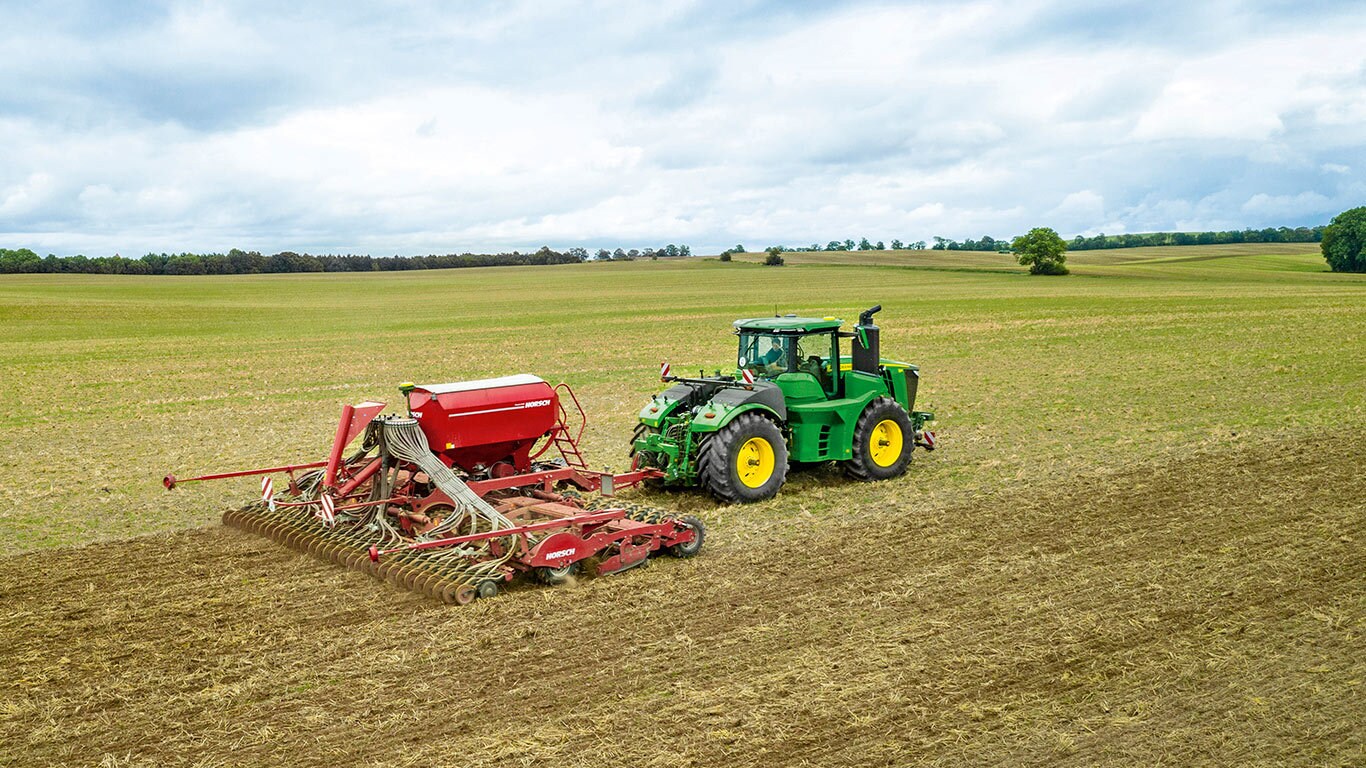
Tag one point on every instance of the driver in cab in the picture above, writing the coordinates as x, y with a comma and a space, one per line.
774, 357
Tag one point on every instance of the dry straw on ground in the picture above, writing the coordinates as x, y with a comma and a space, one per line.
1207, 610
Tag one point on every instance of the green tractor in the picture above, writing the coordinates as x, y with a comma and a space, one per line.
794, 397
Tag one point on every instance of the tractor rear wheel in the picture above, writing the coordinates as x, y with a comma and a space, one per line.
883, 440
744, 461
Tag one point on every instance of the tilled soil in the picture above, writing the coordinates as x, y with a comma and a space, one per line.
1204, 611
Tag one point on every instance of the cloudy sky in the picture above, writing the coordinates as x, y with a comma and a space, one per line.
413, 128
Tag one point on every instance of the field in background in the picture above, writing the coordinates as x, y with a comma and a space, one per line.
1141, 541
978, 260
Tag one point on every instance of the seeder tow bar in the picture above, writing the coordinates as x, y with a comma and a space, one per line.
456, 500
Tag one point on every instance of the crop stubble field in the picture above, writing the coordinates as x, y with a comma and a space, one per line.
1141, 542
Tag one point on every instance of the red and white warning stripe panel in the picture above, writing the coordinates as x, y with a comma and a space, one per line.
748, 375
327, 510
663, 371
268, 492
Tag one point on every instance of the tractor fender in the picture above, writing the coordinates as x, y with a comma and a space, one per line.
663, 405
726, 404
764, 393
714, 416
863, 401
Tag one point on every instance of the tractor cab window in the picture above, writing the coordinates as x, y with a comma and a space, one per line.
767, 354
809, 351
814, 353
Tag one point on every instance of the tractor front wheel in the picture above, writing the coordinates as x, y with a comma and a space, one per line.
744, 461
640, 431
883, 440
641, 460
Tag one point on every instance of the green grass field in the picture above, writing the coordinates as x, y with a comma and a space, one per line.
114, 381
1140, 542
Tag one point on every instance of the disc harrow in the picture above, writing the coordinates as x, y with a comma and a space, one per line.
439, 573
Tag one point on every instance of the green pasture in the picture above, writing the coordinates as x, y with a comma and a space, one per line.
112, 381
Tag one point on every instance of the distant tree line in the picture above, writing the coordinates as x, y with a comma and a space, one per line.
619, 254
238, 262
864, 244
1102, 241
1268, 235
1079, 243
987, 243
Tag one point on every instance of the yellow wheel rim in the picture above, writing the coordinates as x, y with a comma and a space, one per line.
886, 442
754, 462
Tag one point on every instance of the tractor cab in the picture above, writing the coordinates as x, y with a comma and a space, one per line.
794, 352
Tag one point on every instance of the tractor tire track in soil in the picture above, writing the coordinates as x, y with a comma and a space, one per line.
1206, 611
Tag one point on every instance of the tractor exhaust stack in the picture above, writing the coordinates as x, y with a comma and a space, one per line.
867, 347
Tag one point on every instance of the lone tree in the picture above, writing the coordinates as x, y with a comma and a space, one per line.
1344, 241
1042, 250
774, 258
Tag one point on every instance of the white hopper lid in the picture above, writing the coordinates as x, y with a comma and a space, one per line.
469, 386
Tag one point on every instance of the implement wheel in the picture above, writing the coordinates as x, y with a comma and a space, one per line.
744, 461
555, 576
883, 440
487, 588
690, 548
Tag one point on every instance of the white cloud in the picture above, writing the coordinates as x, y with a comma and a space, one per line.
1084, 203
27, 195
1288, 206
432, 129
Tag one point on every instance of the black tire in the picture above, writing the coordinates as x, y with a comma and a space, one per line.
555, 576
717, 467
863, 465
640, 431
691, 548
646, 459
